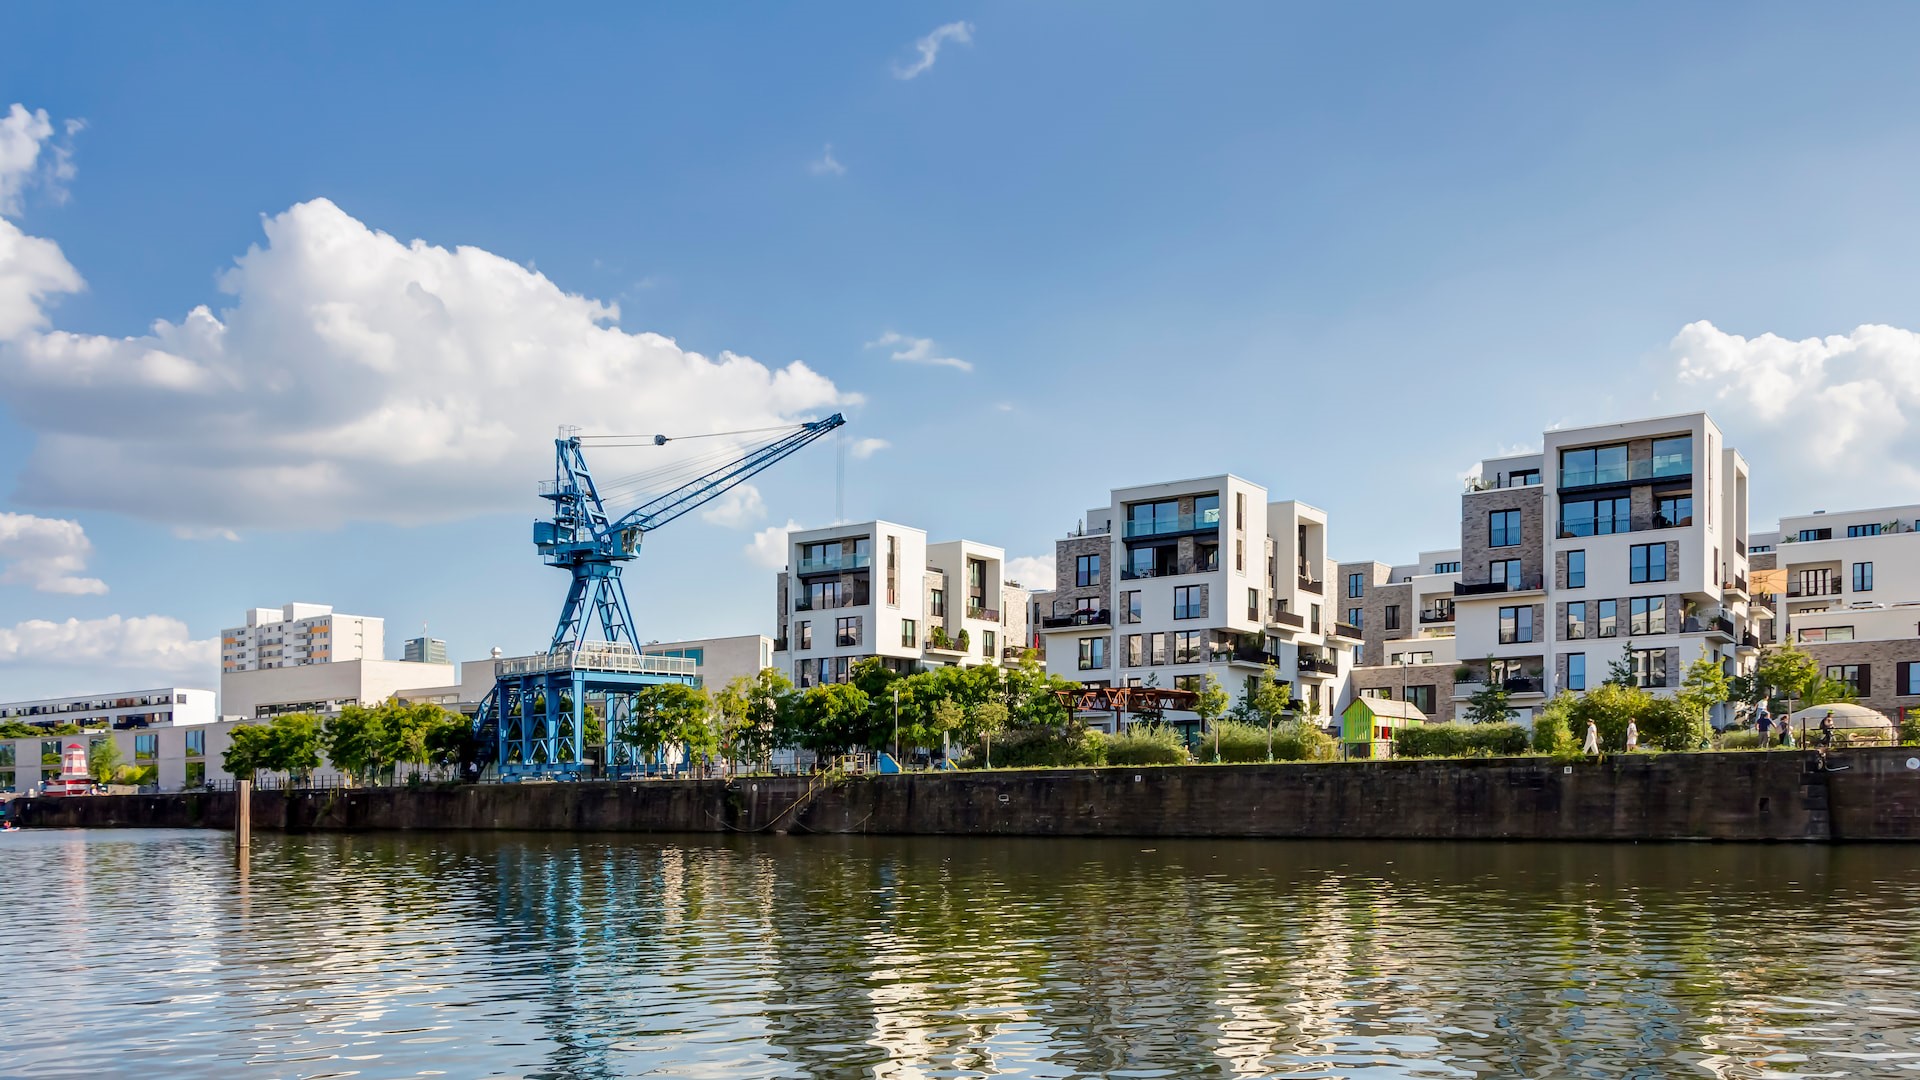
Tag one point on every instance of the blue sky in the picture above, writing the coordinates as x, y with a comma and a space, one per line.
1343, 251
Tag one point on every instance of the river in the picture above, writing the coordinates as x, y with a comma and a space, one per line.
146, 953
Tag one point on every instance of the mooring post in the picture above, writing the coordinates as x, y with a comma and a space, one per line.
243, 815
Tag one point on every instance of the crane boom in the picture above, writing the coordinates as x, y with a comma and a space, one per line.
697, 493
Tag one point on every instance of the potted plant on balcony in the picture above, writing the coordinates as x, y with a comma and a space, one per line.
1463, 674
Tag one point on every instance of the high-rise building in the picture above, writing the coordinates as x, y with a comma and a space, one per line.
297, 635
424, 650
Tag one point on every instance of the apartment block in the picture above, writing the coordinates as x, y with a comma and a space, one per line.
1169, 583
1406, 618
300, 634
168, 706
878, 588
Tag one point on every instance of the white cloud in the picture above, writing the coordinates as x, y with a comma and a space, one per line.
1003, 406
147, 643
865, 448
912, 350
738, 508
357, 377
1800, 409
1031, 571
929, 48
768, 547
826, 164
31, 269
24, 134
46, 553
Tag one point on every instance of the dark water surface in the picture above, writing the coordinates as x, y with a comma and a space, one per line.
145, 953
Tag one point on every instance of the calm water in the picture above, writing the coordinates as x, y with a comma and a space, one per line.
145, 954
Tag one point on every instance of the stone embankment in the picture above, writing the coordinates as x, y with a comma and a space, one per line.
1759, 796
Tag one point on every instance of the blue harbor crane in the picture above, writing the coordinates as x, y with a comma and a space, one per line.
534, 720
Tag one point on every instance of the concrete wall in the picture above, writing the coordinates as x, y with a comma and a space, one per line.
1741, 796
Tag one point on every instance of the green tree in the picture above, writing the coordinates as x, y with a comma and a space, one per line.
830, 719
1488, 705
1209, 705
1784, 672
1825, 690
669, 714
1704, 687
1620, 672
449, 742
292, 745
1609, 706
246, 752
1553, 727
750, 711
357, 742
103, 760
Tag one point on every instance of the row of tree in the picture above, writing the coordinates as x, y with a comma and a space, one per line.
367, 743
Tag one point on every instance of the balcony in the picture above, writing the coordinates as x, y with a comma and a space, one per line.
1015, 653
1738, 585
1247, 654
780, 644
1078, 618
1523, 684
945, 646
1312, 586
1739, 546
805, 603
983, 614
1635, 472
1131, 573
836, 565
1798, 589
1310, 664
1436, 615
1526, 583
1173, 526
1280, 616
1347, 630
1715, 624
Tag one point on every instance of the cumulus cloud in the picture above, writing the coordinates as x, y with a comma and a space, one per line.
826, 164
769, 546
863, 449
913, 350
47, 554
147, 644
738, 508
354, 376
1031, 571
31, 269
928, 48
1804, 407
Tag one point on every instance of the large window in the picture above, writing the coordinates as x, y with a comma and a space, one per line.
196, 774
196, 744
803, 635
1157, 648
1647, 615
1086, 571
1130, 606
1577, 619
909, 635
1606, 620
1093, 653
1503, 528
1815, 534
1863, 577
1857, 678
1356, 584
1673, 457
1596, 517
1189, 602
1450, 567
1647, 562
1576, 671
1353, 616
1421, 697
1390, 618
146, 747
1253, 605
1189, 647
1136, 650
1907, 679
1504, 571
1863, 530
1593, 465
1576, 569
1673, 510
1516, 624
987, 644
1815, 634
1650, 667
846, 632
937, 603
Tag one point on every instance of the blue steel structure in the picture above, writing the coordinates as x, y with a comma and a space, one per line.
533, 722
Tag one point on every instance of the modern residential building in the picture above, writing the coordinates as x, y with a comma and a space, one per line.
878, 588
718, 661
1170, 583
300, 634
424, 650
1619, 540
1406, 618
167, 706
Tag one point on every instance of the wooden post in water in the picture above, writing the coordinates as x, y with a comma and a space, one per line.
243, 815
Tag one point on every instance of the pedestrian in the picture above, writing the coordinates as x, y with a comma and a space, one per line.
1826, 731
1763, 723
1593, 740
1633, 736
1786, 733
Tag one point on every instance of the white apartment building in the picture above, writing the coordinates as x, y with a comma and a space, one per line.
1620, 536
718, 661
1169, 583
300, 634
1406, 618
878, 588
167, 706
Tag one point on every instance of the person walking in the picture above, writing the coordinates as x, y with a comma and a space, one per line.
1763, 723
1593, 740
1786, 733
1633, 736
1826, 731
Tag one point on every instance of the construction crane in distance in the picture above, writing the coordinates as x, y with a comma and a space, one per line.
534, 719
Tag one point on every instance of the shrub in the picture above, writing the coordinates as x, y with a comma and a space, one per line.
1740, 740
1460, 740
1673, 724
1235, 741
1551, 731
1147, 744
1299, 741
1041, 747
1910, 728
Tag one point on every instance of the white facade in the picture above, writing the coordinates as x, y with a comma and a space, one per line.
329, 687
719, 661
168, 706
877, 588
1844, 560
183, 757
300, 634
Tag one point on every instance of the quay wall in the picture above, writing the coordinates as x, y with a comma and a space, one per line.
1779, 796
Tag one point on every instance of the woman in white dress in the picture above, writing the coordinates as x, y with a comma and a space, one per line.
1593, 739
1633, 736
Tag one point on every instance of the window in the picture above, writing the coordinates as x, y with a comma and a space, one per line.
1504, 571
1577, 619
1136, 650
1253, 605
1576, 671
893, 571
1593, 465
1446, 567
1207, 557
1647, 615
1353, 616
1650, 667
1826, 633
1356, 584
1195, 683
1816, 534
1189, 647
1596, 517
1093, 653
937, 603
1576, 569
1157, 648
196, 744
146, 747
1189, 602
1421, 697
1086, 571
1906, 681
1516, 624
1647, 562
1240, 555
909, 633
1858, 677
1863, 530
1130, 606
1673, 510
1607, 621
1313, 618
803, 631
986, 644
846, 632
1240, 510
1523, 478
196, 774
1206, 510
1503, 528
1863, 577
1391, 619
1673, 457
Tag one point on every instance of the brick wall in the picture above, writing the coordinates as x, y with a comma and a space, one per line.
1476, 549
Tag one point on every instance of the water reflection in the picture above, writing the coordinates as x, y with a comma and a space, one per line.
563, 956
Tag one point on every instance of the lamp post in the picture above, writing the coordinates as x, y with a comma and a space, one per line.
896, 726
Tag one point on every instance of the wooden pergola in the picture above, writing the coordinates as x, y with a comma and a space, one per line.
1127, 699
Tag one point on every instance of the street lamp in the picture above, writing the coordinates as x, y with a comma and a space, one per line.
896, 726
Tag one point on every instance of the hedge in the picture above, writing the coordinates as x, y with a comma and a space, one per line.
1461, 740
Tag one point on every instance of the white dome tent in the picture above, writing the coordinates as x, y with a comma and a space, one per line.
1852, 719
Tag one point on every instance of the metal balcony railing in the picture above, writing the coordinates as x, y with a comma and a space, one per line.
835, 564
1310, 662
1077, 618
983, 614
1436, 615
1522, 684
1796, 589
1183, 523
1479, 588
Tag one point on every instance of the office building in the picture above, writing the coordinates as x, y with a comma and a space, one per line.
424, 650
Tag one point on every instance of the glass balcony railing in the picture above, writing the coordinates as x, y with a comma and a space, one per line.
835, 564
1632, 472
1166, 526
